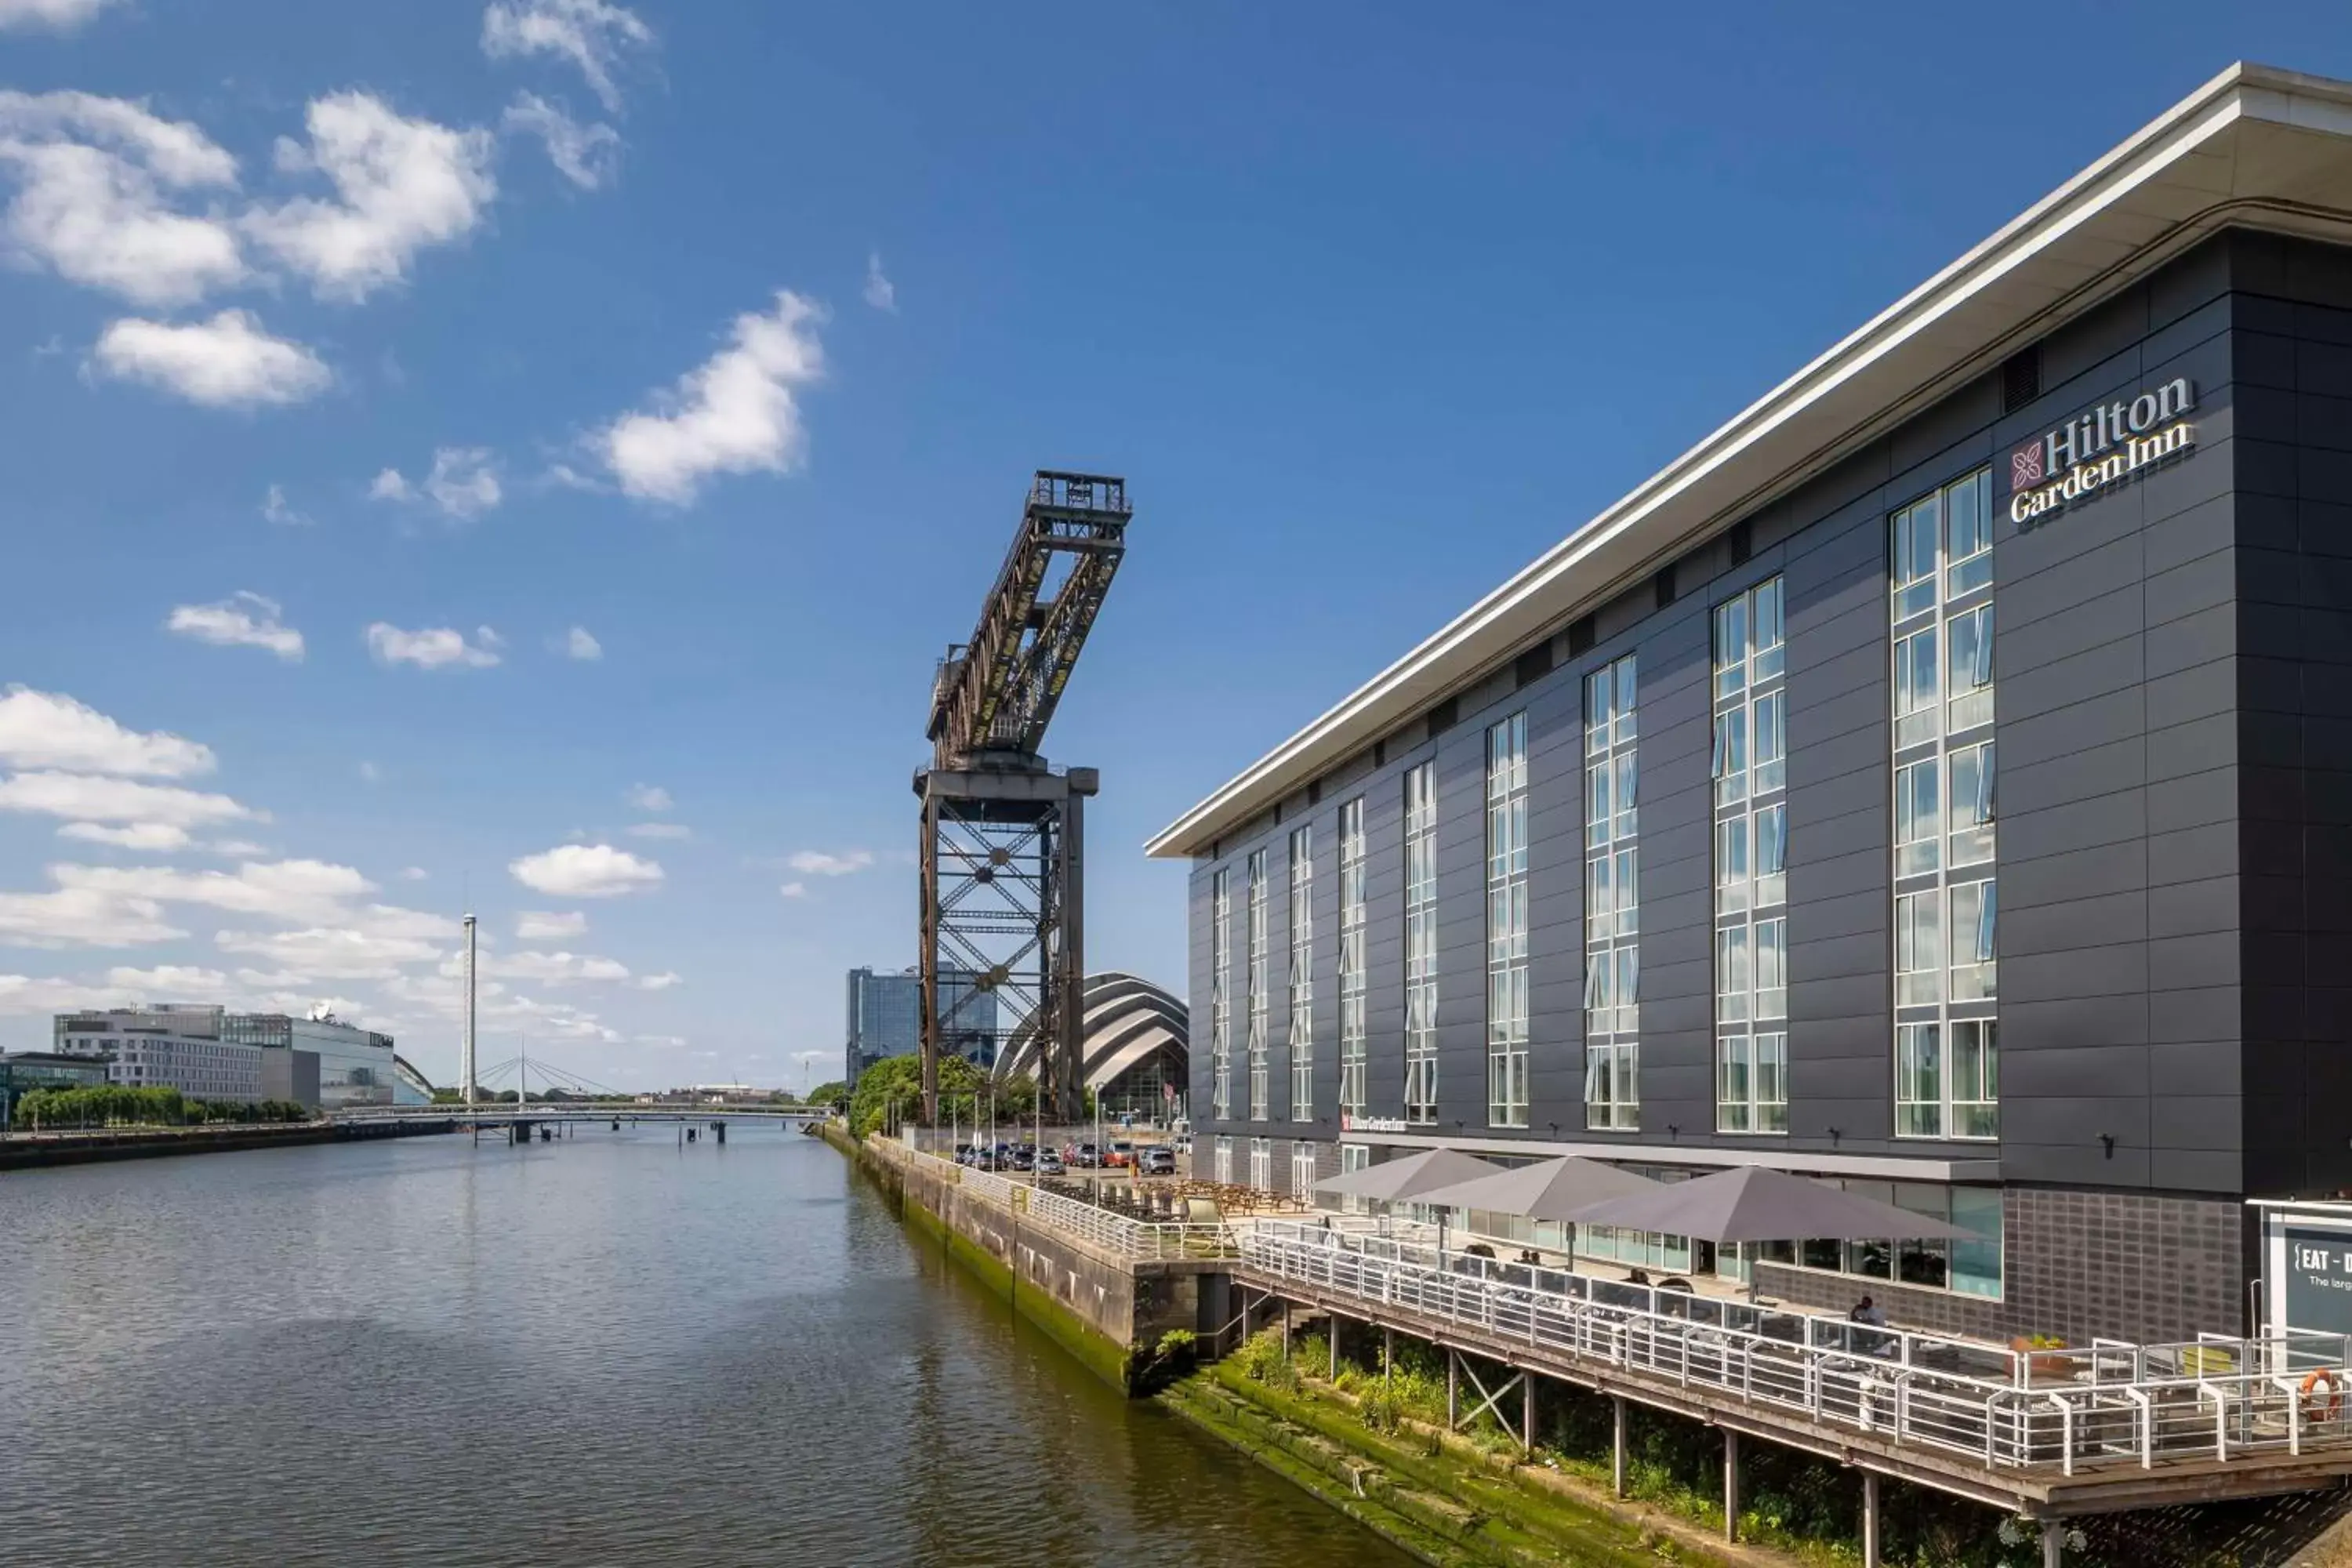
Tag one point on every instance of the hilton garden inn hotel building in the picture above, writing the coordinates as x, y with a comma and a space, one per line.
1938, 779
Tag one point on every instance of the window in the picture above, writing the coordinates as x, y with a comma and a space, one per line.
1353, 1157
1421, 943
1302, 974
1946, 903
1351, 957
1261, 1169
1970, 1265
1221, 1006
1612, 903
1302, 1172
1506, 923
1750, 768
1221, 1162
1257, 979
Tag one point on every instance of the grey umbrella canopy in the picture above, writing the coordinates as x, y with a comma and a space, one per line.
1548, 1190
1752, 1203
1405, 1180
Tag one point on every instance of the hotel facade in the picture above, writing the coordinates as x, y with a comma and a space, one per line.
1931, 781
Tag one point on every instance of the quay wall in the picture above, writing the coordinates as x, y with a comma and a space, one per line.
1107, 1311
41, 1151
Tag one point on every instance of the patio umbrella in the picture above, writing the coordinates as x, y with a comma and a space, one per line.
1546, 1190
1404, 1180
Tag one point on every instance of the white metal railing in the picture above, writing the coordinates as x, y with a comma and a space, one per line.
2107, 1405
1124, 1236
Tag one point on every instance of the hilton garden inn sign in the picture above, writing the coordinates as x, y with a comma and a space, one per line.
2105, 447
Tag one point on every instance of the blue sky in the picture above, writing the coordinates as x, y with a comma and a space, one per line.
701, 353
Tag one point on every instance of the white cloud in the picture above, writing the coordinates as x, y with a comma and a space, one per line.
96, 181
585, 871
591, 34
540, 925
244, 619
794, 890
735, 414
880, 292
546, 968
648, 797
673, 830
400, 185
236, 848
817, 863
578, 644
275, 508
26, 996
229, 361
85, 797
82, 917
662, 981
159, 838
302, 892
464, 483
174, 980
47, 730
305, 957
59, 16
414, 874
587, 155
428, 648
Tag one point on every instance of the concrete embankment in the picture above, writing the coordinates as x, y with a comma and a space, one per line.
26, 1153
1107, 1311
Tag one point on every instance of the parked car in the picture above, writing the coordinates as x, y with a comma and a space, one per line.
1156, 1159
1087, 1157
1050, 1165
1122, 1155
1024, 1158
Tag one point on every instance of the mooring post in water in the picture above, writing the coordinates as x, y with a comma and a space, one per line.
1731, 1484
1869, 1519
1617, 1454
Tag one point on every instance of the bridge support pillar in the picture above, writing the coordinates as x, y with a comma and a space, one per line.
1617, 1449
720, 1128
1870, 1519
1730, 1485
2054, 1543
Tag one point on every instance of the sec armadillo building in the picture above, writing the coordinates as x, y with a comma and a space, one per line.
1937, 780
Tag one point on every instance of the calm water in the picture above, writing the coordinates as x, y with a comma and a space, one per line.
610, 1350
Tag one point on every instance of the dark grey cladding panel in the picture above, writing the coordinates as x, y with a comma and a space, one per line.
1829, 919
1820, 799
1862, 953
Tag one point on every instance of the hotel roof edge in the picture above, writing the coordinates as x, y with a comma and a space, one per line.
1454, 657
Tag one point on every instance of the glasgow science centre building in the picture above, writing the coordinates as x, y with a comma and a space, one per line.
1939, 781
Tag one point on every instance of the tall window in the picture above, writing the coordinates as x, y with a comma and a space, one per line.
1221, 993
1751, 823
1351, 957
1421, 943
1506, 923
1302, 975
1261, 1169
1947, 908
1257, 986
1221, 1162
1302, 1172
1353, 1157
1612, 901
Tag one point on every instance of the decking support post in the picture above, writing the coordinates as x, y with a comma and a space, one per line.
2054, 1543
1334, 1329
1286, 1328
1869, 1519
1387, 1355
1731, 1484
1453, 1391
1617, 1451
1527, 1412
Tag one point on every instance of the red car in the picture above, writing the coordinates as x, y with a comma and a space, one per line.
1122, 1155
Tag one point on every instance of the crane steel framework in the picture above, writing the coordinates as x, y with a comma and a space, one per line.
1003, 833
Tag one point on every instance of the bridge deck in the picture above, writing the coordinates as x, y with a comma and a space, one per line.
2115, 1428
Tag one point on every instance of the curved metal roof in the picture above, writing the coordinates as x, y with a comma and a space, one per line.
1126, 1018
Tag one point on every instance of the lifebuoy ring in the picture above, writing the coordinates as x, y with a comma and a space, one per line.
2327, 1406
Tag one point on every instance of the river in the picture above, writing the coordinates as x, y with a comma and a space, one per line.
611, 1349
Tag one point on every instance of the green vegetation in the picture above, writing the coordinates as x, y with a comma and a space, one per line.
118, 1105
836, 1093
890, 1094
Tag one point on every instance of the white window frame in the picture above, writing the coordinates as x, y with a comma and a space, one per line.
1506, 921
1257, 979
1612, 1102
1303, 1172
1354, 1157
1302, 973
1261, 1164
1421, 944
1749, 657
1220, 996
1353, 1040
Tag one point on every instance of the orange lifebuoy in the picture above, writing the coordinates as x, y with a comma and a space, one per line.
2329, 1406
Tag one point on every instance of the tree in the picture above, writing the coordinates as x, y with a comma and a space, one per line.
891, 1092
834, 1093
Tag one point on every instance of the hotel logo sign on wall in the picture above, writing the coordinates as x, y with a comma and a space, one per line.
2105, 447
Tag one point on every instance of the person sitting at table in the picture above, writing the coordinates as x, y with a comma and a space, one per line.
1637, 1276
1869, 1312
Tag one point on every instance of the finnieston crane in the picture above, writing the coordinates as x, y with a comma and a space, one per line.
1003, 841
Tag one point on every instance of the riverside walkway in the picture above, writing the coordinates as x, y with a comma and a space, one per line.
2048, 1433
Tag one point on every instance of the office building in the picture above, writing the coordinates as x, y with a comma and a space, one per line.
885, 1017
355, 1065
1928, 782
213, 1054
22, 1072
